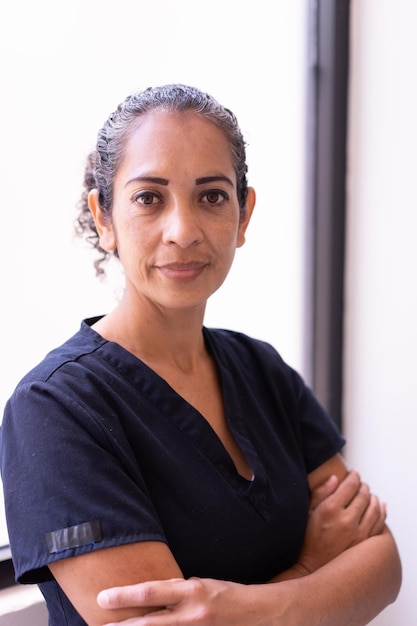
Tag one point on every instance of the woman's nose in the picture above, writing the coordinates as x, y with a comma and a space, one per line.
181, 225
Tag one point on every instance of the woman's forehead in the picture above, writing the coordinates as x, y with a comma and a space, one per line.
167, 135
160, 122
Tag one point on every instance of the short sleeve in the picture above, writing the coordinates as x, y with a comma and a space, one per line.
70, 486
320, 436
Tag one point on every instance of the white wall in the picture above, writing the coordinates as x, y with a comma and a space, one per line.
22, 605
381, 296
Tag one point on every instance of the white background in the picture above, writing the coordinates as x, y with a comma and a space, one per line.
381, 294
65, 66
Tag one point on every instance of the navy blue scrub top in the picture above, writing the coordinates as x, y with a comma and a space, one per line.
98, 450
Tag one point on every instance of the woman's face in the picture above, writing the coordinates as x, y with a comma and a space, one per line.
176, 220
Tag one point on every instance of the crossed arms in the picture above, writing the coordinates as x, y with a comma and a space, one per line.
347, 572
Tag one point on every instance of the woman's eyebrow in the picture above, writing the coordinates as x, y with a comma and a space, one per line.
211, 179
148, 179
164, 181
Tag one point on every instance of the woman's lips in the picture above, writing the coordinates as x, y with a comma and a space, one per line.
182, 271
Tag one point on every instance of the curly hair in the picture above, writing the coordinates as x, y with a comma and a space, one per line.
102, 164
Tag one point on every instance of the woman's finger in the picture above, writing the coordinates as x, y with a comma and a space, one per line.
374, 518
157, 593
323, 491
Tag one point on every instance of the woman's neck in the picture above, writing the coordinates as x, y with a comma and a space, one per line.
154, 335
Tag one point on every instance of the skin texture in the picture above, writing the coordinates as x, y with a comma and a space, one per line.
176, 225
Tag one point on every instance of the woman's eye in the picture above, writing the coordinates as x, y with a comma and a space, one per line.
146, 198
215, 196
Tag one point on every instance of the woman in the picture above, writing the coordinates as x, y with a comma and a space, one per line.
150, 449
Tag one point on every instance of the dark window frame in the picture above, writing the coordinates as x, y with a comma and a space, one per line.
329, 33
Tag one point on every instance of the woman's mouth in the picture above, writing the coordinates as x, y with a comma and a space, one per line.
182, 271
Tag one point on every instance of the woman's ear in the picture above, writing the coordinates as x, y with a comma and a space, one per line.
103, 224
246, 216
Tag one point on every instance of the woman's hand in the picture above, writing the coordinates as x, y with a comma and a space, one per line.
197, 601
341, 516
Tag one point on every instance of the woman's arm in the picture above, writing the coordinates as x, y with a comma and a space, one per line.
82, 577
343, 513
360, 575
349, 591
220, 602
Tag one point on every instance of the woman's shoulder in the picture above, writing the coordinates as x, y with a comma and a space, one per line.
238, 343
85, 341
254, 359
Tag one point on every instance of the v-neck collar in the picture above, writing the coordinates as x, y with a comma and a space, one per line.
179, 412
